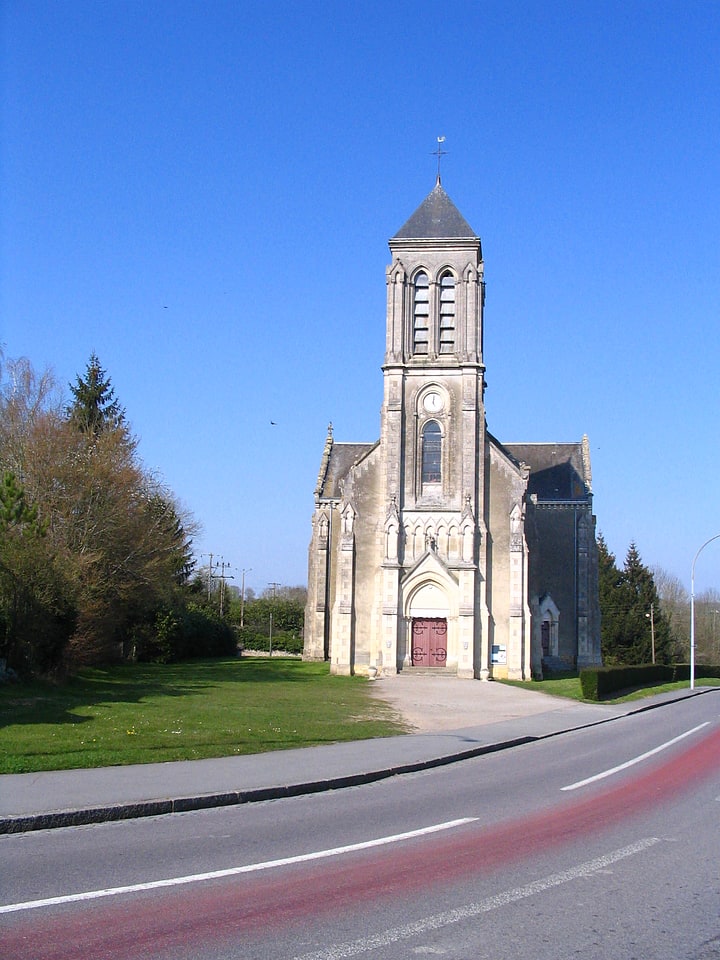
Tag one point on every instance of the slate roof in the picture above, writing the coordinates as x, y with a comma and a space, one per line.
343, 456
437, 218
557, 470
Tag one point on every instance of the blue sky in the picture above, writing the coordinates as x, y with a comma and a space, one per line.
202, 193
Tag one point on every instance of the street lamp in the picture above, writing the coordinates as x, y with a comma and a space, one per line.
651, 617
692, 610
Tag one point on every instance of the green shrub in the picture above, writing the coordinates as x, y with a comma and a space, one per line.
249, 639
682, 671
288, 643
600, 682
185, 634
206, 634
282, 641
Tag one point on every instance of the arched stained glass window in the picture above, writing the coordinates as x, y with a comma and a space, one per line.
447, 313
421, 313
431, 452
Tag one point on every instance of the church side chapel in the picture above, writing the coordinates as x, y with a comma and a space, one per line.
438, 548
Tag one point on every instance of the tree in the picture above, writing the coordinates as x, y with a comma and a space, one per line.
645, 613
14, 510
287, 607
630, 611
675, 604
707, 626
95, 407
36, 611
114, 541
611, 603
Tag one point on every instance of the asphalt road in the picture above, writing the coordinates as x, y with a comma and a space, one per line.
603, 842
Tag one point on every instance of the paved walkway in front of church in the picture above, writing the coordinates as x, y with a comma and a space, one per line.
453, 719
435, 703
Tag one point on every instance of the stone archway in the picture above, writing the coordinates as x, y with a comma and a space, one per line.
428, 615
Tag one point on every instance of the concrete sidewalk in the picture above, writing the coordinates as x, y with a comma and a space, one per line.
500, 717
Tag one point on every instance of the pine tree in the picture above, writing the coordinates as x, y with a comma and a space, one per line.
95, 407
644, 615
14, 510
611, 604
630, 611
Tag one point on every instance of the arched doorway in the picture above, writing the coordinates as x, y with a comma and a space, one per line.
428, 617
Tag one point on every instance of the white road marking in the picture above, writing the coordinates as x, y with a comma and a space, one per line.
233, 871
631, 763
472, 910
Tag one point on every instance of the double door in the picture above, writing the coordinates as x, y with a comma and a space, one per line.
429, 642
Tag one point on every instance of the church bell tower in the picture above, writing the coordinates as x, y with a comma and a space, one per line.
433, 437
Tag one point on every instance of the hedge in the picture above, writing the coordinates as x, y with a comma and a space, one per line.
599, 682
250, 639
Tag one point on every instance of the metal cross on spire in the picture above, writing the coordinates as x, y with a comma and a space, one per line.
439, 153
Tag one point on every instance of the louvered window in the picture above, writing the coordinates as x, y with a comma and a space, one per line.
447, 314
421, 314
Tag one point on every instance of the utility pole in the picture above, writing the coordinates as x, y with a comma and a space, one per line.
222, 577
210, 573
242, 598
274, 588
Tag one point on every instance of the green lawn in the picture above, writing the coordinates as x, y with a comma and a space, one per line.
143, 713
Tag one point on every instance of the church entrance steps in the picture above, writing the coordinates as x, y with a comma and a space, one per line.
426, 672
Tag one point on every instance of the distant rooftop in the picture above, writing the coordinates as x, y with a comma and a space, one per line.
558, 471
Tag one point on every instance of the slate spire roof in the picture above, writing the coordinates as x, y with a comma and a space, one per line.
437, 218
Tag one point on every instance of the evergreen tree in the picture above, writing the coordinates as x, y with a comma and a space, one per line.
630, 611
611, 604
644, 615
14, 510
95, 407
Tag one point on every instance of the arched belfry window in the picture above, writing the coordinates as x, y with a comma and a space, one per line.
431, 452
447, 313
421, 313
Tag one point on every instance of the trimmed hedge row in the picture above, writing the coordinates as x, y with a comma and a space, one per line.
600, 682
250, 639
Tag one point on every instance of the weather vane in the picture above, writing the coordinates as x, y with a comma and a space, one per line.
439, 153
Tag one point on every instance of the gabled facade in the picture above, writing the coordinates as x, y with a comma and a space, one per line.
438, 547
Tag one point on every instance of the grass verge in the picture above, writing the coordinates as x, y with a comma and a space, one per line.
147, 713
570, 687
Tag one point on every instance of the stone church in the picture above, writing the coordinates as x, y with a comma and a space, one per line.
439, 548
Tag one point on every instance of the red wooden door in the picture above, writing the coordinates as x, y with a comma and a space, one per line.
429, 642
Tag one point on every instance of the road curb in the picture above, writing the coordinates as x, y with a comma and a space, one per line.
155, 808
